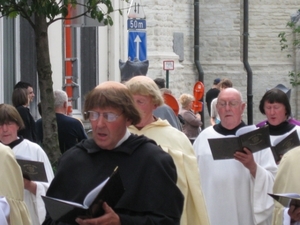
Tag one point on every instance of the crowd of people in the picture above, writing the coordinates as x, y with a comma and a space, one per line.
164, 158
23, 137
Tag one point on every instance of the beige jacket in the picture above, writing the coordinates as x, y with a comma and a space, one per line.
180, 148
286, 180
12, 187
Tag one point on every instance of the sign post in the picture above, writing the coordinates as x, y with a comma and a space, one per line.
137, 37
137, 45
168, 65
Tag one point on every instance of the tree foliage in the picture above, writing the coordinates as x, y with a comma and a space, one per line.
40, 14
55, 10
294, 25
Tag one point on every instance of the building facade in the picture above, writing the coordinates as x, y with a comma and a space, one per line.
172, 34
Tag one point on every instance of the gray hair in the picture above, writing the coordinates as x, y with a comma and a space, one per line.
60, 97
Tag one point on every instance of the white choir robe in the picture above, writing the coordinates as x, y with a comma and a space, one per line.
35, 204
232, 195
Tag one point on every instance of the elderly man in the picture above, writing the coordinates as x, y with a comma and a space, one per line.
148, 173
235, 189
70, 130
147, 97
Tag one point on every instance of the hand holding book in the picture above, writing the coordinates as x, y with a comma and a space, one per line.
255, 139
291, 201
33, 170
109, 191
284, 144
287, 199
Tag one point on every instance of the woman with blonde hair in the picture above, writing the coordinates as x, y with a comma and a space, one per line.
192, 121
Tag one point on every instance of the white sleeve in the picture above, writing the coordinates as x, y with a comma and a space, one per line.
42, 187
263, 184
213, 111
4, 211
287, 218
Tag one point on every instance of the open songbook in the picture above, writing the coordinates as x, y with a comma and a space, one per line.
109, 191
33, 170
287, 199
284, 144
251, 137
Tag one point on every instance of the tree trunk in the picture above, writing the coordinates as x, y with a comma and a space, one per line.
50, 135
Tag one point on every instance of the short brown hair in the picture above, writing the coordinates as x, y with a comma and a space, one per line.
19, 97
8, 113
115, 97
225, 83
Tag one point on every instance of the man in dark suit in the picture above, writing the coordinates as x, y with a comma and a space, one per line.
70, 130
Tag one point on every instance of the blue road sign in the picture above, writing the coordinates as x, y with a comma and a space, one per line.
136, 24
137, 45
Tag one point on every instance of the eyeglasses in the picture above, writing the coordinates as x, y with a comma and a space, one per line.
108, 116
233, 104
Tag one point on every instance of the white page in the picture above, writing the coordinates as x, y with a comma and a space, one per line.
281, 138
290, 195
245, 129
68, 202
93, 194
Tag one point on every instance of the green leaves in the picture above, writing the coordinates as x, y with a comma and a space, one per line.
294, 38
283, 40
52, 10
57, 9
294, 78
64, 11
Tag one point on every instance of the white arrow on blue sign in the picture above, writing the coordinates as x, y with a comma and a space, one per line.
137, 45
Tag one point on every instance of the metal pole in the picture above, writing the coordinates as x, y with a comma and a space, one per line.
246, 63
197, 50
167, 78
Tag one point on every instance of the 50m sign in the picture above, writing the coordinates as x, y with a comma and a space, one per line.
136, 24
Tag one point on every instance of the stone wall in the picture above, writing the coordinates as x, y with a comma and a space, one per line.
221, 45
